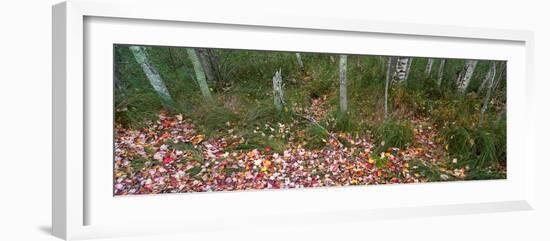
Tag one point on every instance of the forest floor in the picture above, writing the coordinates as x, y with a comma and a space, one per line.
172, 156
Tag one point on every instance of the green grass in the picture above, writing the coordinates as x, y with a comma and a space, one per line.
244, 101
481, 145
316, 136
394, 133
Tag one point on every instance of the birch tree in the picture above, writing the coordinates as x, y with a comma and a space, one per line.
343, 85
440, 72
151, 72
199, 74
278, 97
465, 76
299, 59
401, 69
491, 76
485, 81
388, 78
429, 67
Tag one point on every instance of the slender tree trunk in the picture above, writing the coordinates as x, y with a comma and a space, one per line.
206, 64
388, 78
299, 59
278, 97
489, 75
200, 75
401, 69
440, 72
465, 75
492, 73
343, 85
429, 67
151, 72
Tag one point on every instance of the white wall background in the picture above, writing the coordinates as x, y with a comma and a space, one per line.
25, 121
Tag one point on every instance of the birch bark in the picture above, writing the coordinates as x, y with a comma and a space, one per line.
343, 85
299, 59
206, 64
401, 69
492, 73
151, 72
199, 73
278, 97
429, 67
465, 76
486, 80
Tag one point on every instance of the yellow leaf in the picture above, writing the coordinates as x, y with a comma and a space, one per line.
371, 161
197, 139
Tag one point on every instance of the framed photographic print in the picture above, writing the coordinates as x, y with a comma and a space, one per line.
280, 118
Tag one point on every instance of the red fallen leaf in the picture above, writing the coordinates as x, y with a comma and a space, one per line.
167, 159
165, 135
268, 149
166, 123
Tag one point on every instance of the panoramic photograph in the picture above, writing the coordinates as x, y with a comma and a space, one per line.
207, 120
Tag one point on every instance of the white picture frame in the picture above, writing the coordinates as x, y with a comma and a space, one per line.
80, 26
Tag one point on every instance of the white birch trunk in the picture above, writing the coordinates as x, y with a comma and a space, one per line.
299, 59
486, 80
199, 73
440, 72
429, 67
492, 73
388, 78
343, 85
151, 72
401, 69
278, 97
465, 76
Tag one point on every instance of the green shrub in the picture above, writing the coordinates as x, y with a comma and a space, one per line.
266, 113
484, 146
212, 118
499, 130
138, 110
394, 134
315, 136
459, 142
